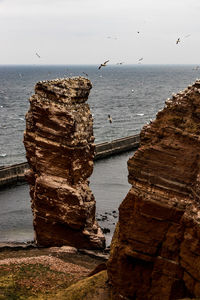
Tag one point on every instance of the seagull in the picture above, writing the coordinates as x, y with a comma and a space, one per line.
196, 68
120, 63
37, 54
188, 35
103, 65
111, 38
140, 59
138, 32
178, 41
109, 119
85, 74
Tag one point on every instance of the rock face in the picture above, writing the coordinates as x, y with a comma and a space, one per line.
60, 151
155, 251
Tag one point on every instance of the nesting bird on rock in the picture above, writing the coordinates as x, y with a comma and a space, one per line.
103, 65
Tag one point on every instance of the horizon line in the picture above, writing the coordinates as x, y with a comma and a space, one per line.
128, 64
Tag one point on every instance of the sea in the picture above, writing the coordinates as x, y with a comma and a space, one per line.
131, 94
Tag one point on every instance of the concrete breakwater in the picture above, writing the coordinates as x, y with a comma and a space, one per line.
15, 173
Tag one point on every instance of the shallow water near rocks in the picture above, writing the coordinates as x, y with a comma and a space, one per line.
108, 182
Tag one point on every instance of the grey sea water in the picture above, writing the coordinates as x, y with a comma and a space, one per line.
132, 95
108, 183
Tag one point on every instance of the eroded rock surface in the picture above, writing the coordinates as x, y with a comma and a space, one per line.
155, 251
59, 146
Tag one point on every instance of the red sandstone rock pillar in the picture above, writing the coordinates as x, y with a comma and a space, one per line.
59, 148
155, 251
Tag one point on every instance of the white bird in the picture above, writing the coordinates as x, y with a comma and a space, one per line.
196, 68
111, 38
103, 65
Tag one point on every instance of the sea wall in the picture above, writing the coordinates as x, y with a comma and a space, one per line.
10, 175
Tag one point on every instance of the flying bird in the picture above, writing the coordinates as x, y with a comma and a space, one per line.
138, 32
37, 55
111, 38
196, 68
178, 41
120, 63
103, 65
109, 119
140, 59
85, 74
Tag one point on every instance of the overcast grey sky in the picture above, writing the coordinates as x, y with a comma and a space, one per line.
79, 31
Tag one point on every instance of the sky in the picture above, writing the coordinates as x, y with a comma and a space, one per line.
92, 31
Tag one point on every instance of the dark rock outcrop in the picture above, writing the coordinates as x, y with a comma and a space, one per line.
155, 251
60, 148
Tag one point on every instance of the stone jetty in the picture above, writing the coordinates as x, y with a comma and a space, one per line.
155, 251
60, 149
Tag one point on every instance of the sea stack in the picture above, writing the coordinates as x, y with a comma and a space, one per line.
60, 149
155, 251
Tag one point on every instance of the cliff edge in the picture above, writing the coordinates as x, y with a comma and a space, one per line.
155, 251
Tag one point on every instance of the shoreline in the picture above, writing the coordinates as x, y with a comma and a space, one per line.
14, 246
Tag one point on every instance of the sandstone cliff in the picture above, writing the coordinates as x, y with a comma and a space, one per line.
155, 251
59, 148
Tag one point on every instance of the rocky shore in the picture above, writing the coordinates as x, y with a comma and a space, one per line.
52, 273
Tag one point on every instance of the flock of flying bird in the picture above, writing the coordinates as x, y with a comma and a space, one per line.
120, 63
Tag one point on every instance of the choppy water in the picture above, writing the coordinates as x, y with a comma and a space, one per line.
130, 94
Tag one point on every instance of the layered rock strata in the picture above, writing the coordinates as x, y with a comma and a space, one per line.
155, 251
60, 148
